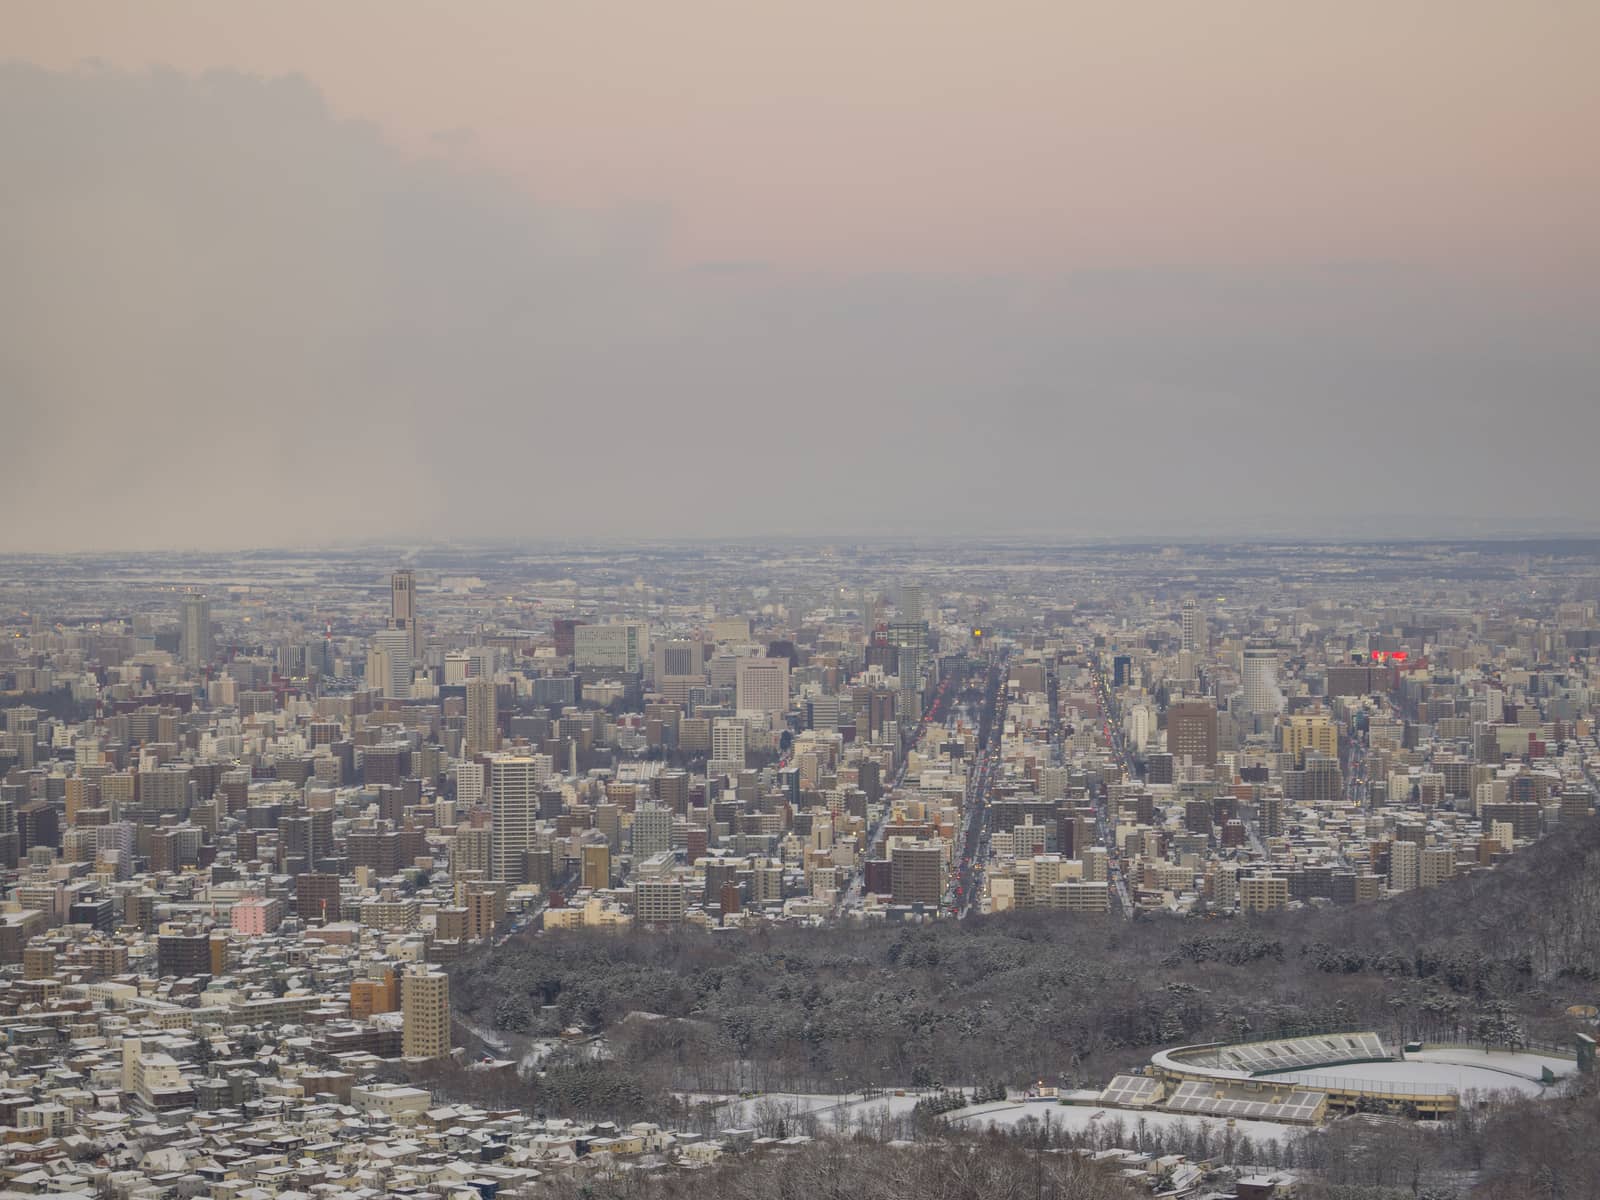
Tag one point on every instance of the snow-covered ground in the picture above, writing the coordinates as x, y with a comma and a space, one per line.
1082, 1117
1529, 1066
1429, 1075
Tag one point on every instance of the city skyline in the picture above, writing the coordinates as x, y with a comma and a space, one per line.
1201, 837
878, 599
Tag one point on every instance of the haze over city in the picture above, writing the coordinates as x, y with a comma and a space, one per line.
888, 600
329, 272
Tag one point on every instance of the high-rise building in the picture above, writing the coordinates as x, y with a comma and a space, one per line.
425, 1011
622, 646
317, 898
652, 831
659, 902
1261, 696
514, 812
1309, 732
913, 606
597, 865
916, 872
1193, 628
679, 658
1262, 893
403, 609
1192, 731
472, 851
482, 733
390, 663
761, 687
194, 635
1438, 864
728, 741
1405, 866
910, 640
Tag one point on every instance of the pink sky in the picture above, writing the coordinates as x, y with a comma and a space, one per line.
937, 136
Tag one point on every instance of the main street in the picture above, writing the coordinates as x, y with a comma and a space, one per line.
1111, 729
972, 842
935, 711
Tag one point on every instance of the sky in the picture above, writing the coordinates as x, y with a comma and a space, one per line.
284, 273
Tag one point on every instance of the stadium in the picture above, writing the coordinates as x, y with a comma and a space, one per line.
1304, 1080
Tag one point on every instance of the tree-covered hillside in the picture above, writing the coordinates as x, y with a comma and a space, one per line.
1495, 956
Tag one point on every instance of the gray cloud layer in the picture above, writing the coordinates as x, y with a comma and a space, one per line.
228, 318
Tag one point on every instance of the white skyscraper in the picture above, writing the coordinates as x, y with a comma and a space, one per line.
913, 606
1141, 723
761, 687
514, 812
1194, 628
728, 743
389, 663
652, 830
622, 646
469, 783
1261, 694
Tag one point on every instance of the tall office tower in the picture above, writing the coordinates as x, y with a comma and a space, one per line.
1261, 679
728, 742
1271, 810
472, 849
1405, 866
1309, 733
1192, 731
513, 812
403, 609
621, 646
910, 640
482, 734
652, 831
1194, 628
425, 1013
471, 783
390, 654
679, 658
916, 873
194, 636
1140, 722
913, 607
761, 686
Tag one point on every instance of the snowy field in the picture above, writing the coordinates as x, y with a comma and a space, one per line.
1459, 1069
1456, 1069
1083, 1117
1528, 1066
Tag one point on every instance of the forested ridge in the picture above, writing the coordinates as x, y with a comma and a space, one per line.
1494, 956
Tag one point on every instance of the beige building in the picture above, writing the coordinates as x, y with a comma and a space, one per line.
425, 1007
1262, 893
659, 902
1309, 732
482, 732
1438, 864
1405, 866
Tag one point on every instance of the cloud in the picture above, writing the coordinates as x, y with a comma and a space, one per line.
228, 318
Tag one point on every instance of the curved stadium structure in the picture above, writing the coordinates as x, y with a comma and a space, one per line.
1275, 1081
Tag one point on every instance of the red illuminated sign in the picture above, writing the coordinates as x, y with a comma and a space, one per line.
1382, 656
